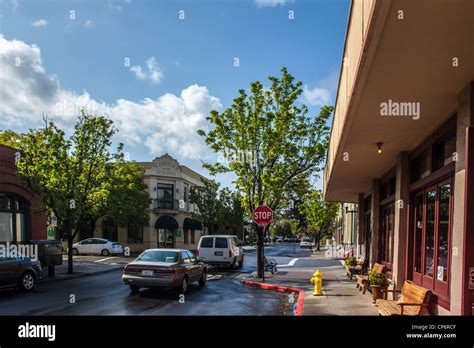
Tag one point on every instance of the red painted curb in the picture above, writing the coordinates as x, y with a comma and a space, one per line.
280, 288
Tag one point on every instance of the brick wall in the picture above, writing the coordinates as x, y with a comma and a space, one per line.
9, 183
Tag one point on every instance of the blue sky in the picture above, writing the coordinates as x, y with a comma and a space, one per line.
177, 66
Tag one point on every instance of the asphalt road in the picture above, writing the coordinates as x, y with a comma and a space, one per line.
105, 294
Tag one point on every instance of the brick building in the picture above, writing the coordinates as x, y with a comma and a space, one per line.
21, 214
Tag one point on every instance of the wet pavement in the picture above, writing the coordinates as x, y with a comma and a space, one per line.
105, 294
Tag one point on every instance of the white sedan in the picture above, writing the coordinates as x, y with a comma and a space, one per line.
306, 243
97, 246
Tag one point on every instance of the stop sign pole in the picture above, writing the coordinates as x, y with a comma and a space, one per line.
262, 216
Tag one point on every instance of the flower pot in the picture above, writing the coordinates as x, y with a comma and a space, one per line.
377, 291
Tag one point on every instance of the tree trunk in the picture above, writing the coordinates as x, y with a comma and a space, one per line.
260, 261
69, 247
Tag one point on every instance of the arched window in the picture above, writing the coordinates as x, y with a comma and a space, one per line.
109, 229
14, 217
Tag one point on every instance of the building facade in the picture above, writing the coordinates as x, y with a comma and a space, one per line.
21, 212
402, 143
171, 222
346, 225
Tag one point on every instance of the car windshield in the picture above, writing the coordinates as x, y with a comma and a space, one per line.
159, 256
306, 239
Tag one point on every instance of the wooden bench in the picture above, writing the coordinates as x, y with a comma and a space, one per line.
414, 300
363, 279
357, 269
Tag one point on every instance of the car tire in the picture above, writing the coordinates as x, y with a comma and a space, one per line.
75, 251
134, 289
203, 279
27, 281
184, 285
105, 252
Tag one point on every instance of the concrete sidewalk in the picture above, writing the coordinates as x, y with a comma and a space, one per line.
340, 295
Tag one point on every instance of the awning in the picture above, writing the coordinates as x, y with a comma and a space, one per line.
192, 224
166, 222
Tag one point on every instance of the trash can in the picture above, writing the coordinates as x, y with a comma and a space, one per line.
49, 254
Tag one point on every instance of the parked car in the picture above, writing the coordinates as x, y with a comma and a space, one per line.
306, 242
97, 246
165, 268
224, 250
21, 272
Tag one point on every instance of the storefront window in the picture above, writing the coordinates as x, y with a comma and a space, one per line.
432, 214
418, 232
443, 231
386, 234
13, 218
135, 233
419, 167
430, 230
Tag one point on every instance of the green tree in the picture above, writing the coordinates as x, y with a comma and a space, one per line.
269, 142
206, 199
230, 215
319, 214
79, 177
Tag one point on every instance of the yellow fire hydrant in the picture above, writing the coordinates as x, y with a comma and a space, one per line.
317, 280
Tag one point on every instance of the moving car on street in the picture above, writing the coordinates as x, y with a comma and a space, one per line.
306, 243
221, 250
165, 268
97, 246
19, 271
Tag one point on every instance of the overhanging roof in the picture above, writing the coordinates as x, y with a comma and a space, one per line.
404, 60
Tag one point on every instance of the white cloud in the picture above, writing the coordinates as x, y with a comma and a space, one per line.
322, 93
316, 96
167, 123
40, 23
271, 3
152, 72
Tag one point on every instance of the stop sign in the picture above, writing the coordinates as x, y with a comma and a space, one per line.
262, 215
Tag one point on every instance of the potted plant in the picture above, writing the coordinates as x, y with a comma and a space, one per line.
350, 263
378, 283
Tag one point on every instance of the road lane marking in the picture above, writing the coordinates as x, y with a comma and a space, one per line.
290, 264
107, 258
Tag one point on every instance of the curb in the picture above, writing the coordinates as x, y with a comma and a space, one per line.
76, 276
280, 288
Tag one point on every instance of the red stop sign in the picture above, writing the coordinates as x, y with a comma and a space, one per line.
262, 215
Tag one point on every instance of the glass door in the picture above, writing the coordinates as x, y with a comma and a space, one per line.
432, 220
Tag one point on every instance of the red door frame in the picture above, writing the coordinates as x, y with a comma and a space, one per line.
467, 296
440, 288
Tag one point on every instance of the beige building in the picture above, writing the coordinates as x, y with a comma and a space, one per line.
402, 142
345, 231
171, 222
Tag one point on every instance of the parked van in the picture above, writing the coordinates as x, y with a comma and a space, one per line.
222, 250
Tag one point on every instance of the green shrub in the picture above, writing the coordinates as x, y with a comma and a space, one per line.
351, 261
377, 278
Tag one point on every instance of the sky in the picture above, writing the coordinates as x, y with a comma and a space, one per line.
157, 68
